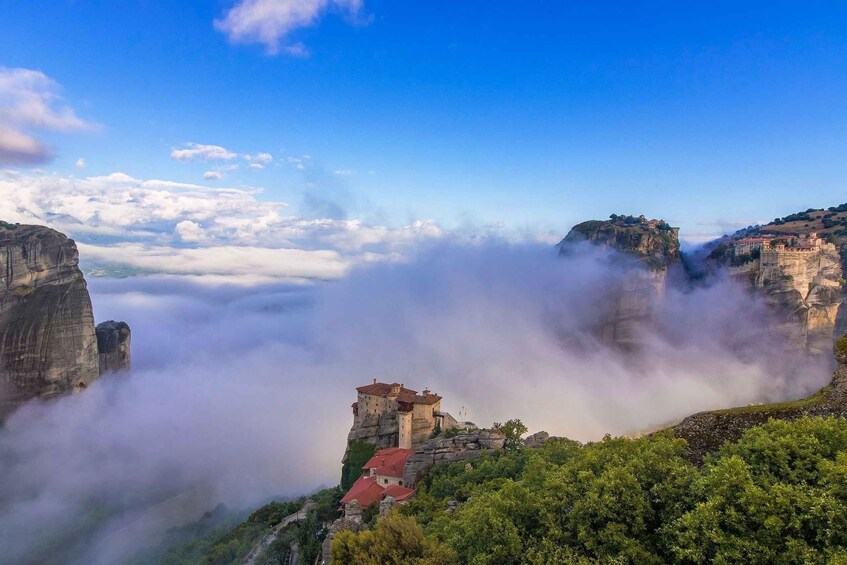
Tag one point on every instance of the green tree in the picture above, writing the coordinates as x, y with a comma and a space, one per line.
513, 430
358, 454
775, 496
396, 540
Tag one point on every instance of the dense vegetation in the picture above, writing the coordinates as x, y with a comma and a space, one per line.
779, 495
357, 455
219, 538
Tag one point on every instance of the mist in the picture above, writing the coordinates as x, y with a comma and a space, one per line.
242, 393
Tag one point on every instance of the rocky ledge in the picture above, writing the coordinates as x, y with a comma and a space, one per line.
463, 446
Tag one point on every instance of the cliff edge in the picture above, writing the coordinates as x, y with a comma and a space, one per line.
705, 432
797, 264
48, 342
654, 242
654, 245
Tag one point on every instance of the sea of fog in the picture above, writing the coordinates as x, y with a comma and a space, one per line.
242, 393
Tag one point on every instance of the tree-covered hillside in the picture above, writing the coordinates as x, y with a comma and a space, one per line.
779, 495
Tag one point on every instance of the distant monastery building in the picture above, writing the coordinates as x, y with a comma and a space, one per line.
417, 414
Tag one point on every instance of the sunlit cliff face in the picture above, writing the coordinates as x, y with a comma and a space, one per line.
244, 393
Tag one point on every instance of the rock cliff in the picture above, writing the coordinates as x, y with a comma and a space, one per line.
48, 344
465, 445
797, 264
380, 430
655, 247
654, 242
705, 432
113, 339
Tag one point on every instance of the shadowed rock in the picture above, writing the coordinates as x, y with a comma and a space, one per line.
113, 339
47, 342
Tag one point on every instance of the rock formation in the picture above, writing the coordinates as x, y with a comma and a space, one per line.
463, 446
655, 247
799, 272
705, 432
653, 241
48, 344
113, 340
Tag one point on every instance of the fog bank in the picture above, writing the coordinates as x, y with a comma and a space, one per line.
238, 394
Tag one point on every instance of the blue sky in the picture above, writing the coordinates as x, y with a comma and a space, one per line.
534, 114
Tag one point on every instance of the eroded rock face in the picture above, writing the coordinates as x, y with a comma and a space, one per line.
380, 430
113, 339
653, 247
806, 288
48, 345
652, 240
465, 445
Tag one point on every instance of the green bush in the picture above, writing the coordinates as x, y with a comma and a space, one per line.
779, 495
357, 455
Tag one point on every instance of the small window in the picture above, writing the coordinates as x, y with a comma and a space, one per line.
385, 481
401, 483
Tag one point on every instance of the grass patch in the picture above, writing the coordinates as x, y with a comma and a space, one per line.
789, 405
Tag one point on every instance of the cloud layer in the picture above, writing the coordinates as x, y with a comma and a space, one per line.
128, 225
270, 22
30, 100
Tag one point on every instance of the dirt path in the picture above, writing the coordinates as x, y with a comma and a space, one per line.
271, 536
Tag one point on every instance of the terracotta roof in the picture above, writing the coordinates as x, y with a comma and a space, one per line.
389, 462
405, 395
365, 491
398, 492
428, 399
383, 389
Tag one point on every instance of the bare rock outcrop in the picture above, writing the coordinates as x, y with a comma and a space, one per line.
797, 263
653, 247
653, 241
380, 430
48, 342
113, 339
463, 446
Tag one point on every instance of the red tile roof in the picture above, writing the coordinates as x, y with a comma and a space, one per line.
365, 491
398, 492
382, 389
389, 462
406, 394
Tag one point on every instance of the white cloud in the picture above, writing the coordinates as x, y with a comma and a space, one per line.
243, 264
228, 234
343, 172
259, 160
80, 163
189, 232
269, 22
30, 100
298, 162
202, 153
213, 175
